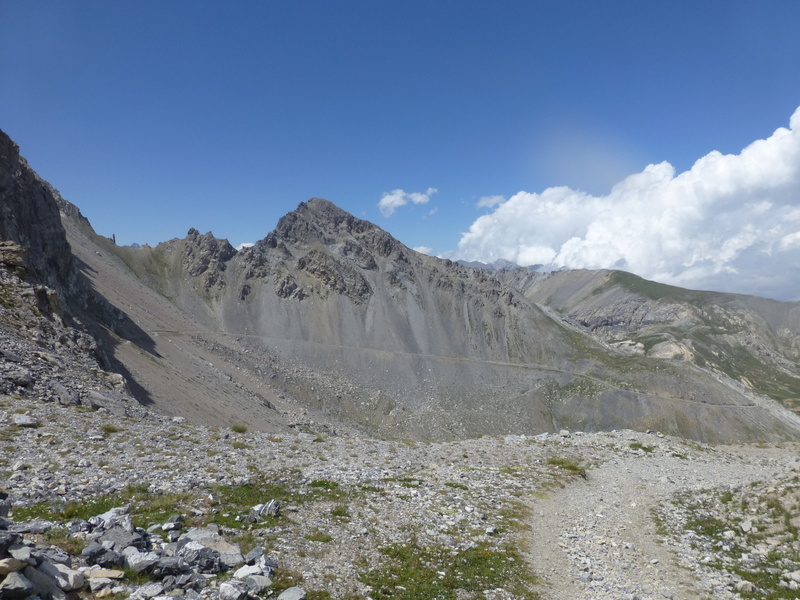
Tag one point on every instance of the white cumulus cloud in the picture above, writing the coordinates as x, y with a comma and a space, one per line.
730, 223
423, 249
490, 201
391, 201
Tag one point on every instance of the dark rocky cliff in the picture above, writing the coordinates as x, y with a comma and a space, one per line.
29, 216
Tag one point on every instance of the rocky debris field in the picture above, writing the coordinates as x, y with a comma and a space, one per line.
146, 506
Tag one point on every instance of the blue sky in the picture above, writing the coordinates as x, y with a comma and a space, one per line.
463, 116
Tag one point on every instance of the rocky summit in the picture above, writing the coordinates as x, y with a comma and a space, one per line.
329, 414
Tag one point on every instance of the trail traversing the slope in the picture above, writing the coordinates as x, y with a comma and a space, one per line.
598, 538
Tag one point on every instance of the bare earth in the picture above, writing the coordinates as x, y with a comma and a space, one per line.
597, 538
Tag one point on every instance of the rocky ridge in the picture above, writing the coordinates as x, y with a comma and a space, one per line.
362, 332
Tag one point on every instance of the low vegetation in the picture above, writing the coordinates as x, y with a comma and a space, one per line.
749, 532
413, 572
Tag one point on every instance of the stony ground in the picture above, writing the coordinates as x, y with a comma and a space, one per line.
603, 515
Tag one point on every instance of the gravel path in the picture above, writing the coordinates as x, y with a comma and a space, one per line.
597, 538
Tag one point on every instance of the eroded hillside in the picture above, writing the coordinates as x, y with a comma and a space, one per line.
754, 341
335, 317
329, 323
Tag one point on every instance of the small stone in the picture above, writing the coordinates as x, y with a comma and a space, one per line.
106, 573
293, 593
149, 590
25, 421
747, 526
243, 572
100, 583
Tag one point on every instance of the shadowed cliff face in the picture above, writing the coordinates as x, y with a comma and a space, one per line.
330, 322
29, 216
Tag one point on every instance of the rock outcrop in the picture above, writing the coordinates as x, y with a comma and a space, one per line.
29, 216
753, 341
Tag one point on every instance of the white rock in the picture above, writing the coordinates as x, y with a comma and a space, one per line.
246, 570
747, 526
293, 593
233, 590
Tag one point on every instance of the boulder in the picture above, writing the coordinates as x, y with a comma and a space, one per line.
13, 256
44, 585
233, 590
230, 555
7, 539
113, 402
22, 553
97, 584
11, 565
243, 572
106, 573
148, 591
15, 586
200, 557
269, 509
172, 565
119, 516
139, 561
257, 583
66, 579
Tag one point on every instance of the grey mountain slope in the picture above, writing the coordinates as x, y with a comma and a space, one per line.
329, 321
755, 341
330, 314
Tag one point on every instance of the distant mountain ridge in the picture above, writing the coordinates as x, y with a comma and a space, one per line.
330, 322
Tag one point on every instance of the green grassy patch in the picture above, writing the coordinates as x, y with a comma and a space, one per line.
642, 447
567, 464
413, 572
316, 535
